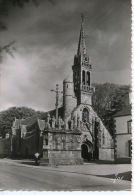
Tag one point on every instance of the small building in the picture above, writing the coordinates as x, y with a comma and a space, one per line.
123, 135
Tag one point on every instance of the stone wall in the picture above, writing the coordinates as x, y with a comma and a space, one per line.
86, 98
105, 141
106, 154
61, 147
70, 104
65, 157
123, 160
31, 144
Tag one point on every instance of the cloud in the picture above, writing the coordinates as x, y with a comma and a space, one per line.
46, 40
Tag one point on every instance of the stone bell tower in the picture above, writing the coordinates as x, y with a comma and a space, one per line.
82, 71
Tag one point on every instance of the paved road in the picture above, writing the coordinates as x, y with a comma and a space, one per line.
15, 176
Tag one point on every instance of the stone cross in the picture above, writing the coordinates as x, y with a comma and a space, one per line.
57, 101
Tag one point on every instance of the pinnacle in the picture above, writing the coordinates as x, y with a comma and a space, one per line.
82, 42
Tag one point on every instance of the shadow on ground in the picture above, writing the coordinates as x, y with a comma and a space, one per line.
125, 176
28, 163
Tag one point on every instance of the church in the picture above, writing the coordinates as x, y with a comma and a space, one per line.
70, 134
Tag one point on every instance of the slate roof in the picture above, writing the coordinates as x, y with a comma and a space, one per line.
125, 112
31, 120
42, 116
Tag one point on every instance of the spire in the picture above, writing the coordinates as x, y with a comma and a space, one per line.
82, 41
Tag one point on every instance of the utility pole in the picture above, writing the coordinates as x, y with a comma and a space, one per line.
57, 100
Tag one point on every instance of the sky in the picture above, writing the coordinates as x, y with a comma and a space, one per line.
46, 40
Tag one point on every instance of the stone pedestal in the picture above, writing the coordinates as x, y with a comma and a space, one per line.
44, 162
61, 147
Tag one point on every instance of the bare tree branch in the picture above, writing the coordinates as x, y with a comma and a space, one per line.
9, 48
5, 5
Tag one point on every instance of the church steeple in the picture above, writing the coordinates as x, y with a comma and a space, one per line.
82, 42
82, 71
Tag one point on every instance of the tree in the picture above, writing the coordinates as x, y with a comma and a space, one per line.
7, 117
108, 99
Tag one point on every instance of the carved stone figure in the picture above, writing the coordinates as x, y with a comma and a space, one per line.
41, 133
60, 122
78, 122
66, 124
53, 122
48, 121
75, 122
72, 124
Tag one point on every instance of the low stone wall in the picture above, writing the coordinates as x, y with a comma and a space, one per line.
123, 160
106, 154
62, 158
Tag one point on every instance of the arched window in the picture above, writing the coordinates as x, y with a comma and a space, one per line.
85, 115
83, 77
88, 78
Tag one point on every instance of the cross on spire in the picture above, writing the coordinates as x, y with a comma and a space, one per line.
82, 17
